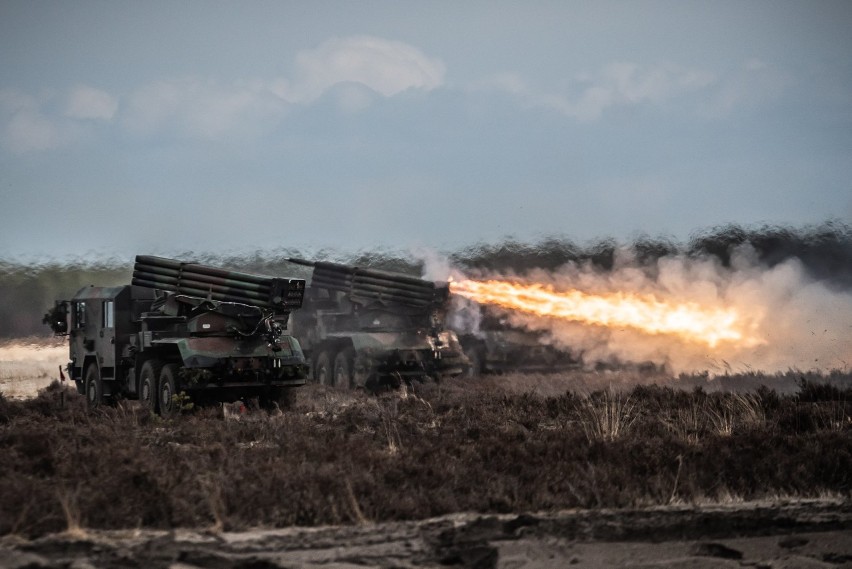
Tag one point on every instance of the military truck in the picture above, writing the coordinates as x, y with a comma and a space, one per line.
498, 347
374, 329
183, 332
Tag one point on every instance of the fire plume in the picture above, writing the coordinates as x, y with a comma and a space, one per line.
646, 313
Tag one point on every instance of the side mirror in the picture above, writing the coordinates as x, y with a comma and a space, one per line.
57, 318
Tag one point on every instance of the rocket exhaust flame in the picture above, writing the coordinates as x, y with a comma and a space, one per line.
688, 321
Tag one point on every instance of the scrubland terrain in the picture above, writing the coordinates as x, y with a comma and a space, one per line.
592, 469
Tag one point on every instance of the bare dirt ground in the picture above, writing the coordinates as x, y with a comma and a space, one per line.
804, 533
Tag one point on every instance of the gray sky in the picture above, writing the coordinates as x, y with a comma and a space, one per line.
158, 127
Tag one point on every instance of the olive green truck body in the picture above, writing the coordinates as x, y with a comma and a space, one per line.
374, 329
183, 332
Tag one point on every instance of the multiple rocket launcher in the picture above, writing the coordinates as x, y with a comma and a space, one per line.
366, 285
277, 294
285, 294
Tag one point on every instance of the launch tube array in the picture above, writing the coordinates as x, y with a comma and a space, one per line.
375, 285
191, 279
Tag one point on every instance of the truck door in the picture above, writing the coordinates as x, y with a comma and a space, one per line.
78, 337
106, 337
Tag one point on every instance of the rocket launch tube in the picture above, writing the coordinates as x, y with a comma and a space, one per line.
374, 291
170, 275
200, 293
361, 283
248, 296
373, 284
147, 260
392, 277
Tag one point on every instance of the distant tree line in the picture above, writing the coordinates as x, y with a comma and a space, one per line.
28, 290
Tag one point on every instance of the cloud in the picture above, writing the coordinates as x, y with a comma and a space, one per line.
753, 83
33, 124
203, 108
357, 70
387, 67
24, 127
30, 131
617, 84
90, 103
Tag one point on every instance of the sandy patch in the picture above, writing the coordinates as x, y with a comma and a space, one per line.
30, 364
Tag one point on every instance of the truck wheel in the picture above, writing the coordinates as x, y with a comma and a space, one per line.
343, 367
167, 390
148, 379
475, 369
322, 368
94, 387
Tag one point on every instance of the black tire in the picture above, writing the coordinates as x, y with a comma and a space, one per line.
475, 370
167, 389
149, 383
344, 366
323, 369
94, 387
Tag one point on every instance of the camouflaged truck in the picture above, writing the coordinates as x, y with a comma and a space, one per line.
375, 329
496, 351
498, 347
183, 332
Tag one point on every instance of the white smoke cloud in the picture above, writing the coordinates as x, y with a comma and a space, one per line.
796, 322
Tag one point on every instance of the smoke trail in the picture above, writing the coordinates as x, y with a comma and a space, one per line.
797, 320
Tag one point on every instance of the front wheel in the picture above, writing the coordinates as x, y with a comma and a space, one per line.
148, 378
344, 364
94, 387
322, 369
168, 389
475, 370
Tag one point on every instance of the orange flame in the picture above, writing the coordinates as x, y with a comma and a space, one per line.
644, 312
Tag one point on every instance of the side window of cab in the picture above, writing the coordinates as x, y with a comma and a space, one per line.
79, 315
108, 314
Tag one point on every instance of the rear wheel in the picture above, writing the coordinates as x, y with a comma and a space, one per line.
475, 357
344, 364
148, 381
167, 390
322, 368
94, 387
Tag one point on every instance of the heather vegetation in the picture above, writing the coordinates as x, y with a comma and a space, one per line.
347, 458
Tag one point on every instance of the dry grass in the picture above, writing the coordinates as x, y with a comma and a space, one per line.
349, 458
28, 365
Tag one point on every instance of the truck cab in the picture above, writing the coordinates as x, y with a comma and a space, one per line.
101, 323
